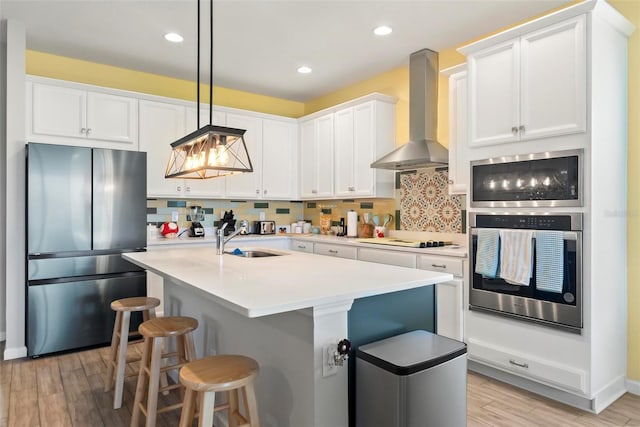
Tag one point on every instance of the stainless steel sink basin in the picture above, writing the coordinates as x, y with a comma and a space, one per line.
254, 254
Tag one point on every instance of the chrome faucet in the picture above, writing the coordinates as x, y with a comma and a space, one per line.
221, 240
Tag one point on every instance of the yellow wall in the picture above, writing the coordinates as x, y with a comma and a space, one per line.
631, 10
59, 67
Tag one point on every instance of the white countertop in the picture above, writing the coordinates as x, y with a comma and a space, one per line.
454, 250
258, 287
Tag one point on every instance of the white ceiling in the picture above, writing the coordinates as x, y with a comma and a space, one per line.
259, 44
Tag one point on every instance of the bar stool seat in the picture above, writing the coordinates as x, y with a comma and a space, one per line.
154, 332
221, 373
120, 339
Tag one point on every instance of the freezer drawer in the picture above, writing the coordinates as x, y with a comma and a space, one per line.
69, 315
49, 268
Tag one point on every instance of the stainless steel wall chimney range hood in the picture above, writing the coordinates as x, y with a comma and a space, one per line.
423, 150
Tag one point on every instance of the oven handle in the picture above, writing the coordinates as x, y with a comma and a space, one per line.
566, 235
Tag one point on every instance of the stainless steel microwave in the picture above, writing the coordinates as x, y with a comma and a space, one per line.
546, 179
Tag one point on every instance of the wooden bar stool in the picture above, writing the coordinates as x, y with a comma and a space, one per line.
227, 373
154, 331
120, 338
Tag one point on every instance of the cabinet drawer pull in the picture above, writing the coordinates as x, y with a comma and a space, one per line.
521, 365
521, 128
439, 265
332, 251
302, 247
514, 130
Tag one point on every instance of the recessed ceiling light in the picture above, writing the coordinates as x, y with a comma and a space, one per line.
174, 37
304, 70
382, 30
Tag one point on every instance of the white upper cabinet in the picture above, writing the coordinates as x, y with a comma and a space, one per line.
247, 185
338, 145
279, 160
65, 115
160, 125
458, 162
530, 87
363, 133
316, 157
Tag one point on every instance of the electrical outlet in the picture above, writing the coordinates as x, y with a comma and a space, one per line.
328, 367
262, 216
174, 216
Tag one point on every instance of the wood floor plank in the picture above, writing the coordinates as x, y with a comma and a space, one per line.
23, 408
67, 390
48, 377
23, 376
53, 410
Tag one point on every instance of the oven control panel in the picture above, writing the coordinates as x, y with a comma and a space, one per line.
531, 222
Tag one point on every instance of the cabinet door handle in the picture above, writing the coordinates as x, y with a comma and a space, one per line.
187, 189
302, 247
451, 181
179, 188
519, 364
265, 191
314, 191
514, 130
83, 130
88, 131
439, 265
352, 189
521, 128
332, 251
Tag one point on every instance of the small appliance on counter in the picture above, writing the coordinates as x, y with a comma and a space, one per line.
245, 227
227, 218
264, 227
197, 215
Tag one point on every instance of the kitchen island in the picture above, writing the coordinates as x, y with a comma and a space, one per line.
285, 311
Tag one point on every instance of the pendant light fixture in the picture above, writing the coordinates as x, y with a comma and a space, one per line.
211, 151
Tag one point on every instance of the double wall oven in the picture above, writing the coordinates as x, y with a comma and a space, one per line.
526, 259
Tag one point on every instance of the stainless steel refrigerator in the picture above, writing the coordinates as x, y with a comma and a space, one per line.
85, 207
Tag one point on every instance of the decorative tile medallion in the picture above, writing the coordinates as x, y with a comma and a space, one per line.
425, 203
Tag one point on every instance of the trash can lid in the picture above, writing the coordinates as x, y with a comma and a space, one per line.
411, 352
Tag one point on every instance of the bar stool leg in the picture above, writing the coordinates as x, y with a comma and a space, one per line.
141, 386
207, 402
122, 359
154, 381
188, 408
108, 382
232, 398
251, 403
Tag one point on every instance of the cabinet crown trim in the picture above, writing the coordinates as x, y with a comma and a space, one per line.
602, 8
351, 103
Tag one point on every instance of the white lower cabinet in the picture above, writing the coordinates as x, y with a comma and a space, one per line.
339, 251
540, 369
449, 295
302, 246
401, 259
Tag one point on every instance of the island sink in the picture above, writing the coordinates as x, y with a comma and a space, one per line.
253, 254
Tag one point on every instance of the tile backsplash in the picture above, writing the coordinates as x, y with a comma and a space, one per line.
425, 203
282, 212
422, 203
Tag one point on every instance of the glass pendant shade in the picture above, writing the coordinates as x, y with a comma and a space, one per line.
210, 152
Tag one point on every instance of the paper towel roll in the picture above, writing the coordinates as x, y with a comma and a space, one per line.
352, 224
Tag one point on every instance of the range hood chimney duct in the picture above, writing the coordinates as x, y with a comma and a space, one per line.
423, 149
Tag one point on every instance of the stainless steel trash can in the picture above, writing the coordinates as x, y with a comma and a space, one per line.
416, 379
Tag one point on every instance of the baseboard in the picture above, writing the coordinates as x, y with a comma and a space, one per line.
609, 394
633, 387
15, 353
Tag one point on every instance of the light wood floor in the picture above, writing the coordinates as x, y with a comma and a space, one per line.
67, 390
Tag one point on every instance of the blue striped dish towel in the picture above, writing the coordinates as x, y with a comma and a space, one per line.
516, 256
487, 253
549, 261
